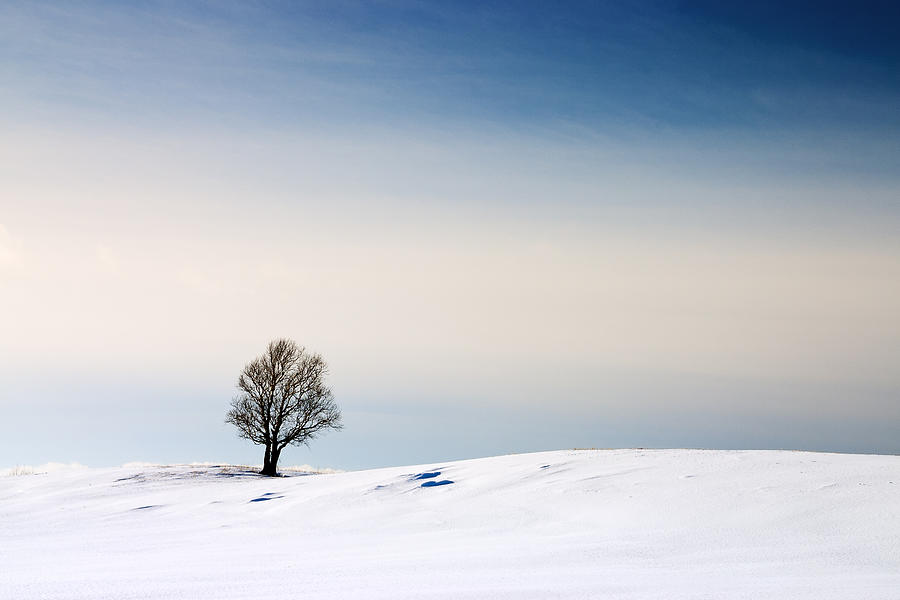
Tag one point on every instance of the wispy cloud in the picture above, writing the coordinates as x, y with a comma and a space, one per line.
605, 66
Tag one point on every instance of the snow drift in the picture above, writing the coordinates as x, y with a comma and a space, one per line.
568, 524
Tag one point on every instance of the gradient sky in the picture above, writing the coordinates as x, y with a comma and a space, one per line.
508, 226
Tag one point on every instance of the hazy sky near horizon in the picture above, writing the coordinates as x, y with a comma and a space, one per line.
507, 226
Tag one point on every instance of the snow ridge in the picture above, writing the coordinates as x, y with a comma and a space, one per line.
568, 524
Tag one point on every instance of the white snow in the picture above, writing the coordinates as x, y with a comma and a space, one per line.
45, 468
622, 524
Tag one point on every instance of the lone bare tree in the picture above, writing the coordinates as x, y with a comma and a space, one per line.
283, 400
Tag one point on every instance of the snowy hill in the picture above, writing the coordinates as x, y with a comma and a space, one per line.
568, 524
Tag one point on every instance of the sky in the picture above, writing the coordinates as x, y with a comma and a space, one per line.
507, 226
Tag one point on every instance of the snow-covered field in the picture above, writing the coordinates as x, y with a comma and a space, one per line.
661, 524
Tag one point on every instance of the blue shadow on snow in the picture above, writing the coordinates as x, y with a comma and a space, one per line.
265, 497
436, 483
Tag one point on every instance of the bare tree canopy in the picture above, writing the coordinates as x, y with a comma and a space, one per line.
283, 400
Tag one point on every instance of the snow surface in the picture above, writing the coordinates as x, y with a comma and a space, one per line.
570, 524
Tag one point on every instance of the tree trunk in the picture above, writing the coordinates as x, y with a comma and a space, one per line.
275, 454
269, 465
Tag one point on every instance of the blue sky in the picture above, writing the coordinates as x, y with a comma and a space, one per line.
655, 65
508, 226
